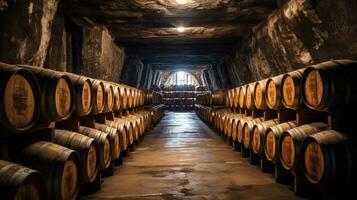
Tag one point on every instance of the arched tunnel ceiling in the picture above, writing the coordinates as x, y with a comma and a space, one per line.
148, 28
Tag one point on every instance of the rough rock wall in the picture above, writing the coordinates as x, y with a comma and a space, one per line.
102, 58
58, 47
300, 33
132, 71
26, 30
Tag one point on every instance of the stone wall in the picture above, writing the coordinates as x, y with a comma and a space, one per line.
102, 58
26, 30
300, 33
132, 71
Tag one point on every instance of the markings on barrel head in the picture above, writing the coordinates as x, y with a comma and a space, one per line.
110, 98
258, 95
271, 93
100, 97
86, 97
289, 91
92, 163
256, 140
314, 161
270, 145
63, 98
19, 101
27, 191
313, 88
288, 151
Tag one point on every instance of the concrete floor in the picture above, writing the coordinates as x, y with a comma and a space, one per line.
182, 158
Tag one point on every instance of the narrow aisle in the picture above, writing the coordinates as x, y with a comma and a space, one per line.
182, 158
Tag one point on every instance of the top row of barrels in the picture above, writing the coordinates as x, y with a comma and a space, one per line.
31, 95
324, 87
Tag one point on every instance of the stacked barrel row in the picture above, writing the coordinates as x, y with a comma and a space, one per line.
62, 132
179, 100
153, 97
292, 125
215, 98
179, 88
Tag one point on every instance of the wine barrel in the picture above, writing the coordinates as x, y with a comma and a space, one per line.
292, 89
57, 94
130, 131
108, 97
19, 99
58, 164
240, 124
260, 94
274, 98
258, 139
236, 97
116, 97
328, 158
241, 96
124, 97
129, 94
272, 137
19, 182
83, 100
122, 132
85, 146
98, 96
290, 143
248, 131
249, 96
103, 145
330, 85
235, 126
114, 136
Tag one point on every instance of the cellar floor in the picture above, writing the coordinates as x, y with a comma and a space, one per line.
182, 158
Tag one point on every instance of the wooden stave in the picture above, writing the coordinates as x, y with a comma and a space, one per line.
78, 82
38, 156
249, 96
277, 130
336, 74
298, 134
62, 138
6, 72
235, 128
123, 134
124, 97
241, 96
248, 131
296, 76
240, 124
261, 129
337, 153
14, 176
98, 86
49, 80
114, 138
108, 97
102, 139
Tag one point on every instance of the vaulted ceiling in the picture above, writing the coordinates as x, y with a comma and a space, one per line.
149, 28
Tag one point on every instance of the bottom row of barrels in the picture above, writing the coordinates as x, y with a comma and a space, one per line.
321, 157
60, 168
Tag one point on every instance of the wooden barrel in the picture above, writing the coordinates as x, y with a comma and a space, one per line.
130, 95
328, 158
103, 145
274, 98
98, 96
241, 96
330, 85
114, 136
249, 96
124, 97
236, 97
57, 94
240, 128
258, 139
248, 131
86, 147
83, 100
59, 166
116, 94
292, 89
19, 99
122, 133
108, 97
235, 126
272, 137
19, 182
260, 94
130, 132
290, 152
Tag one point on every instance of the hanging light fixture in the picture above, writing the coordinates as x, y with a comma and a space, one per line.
182, 1
181, 29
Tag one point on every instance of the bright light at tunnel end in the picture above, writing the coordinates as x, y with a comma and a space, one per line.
182, 1
181, 29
